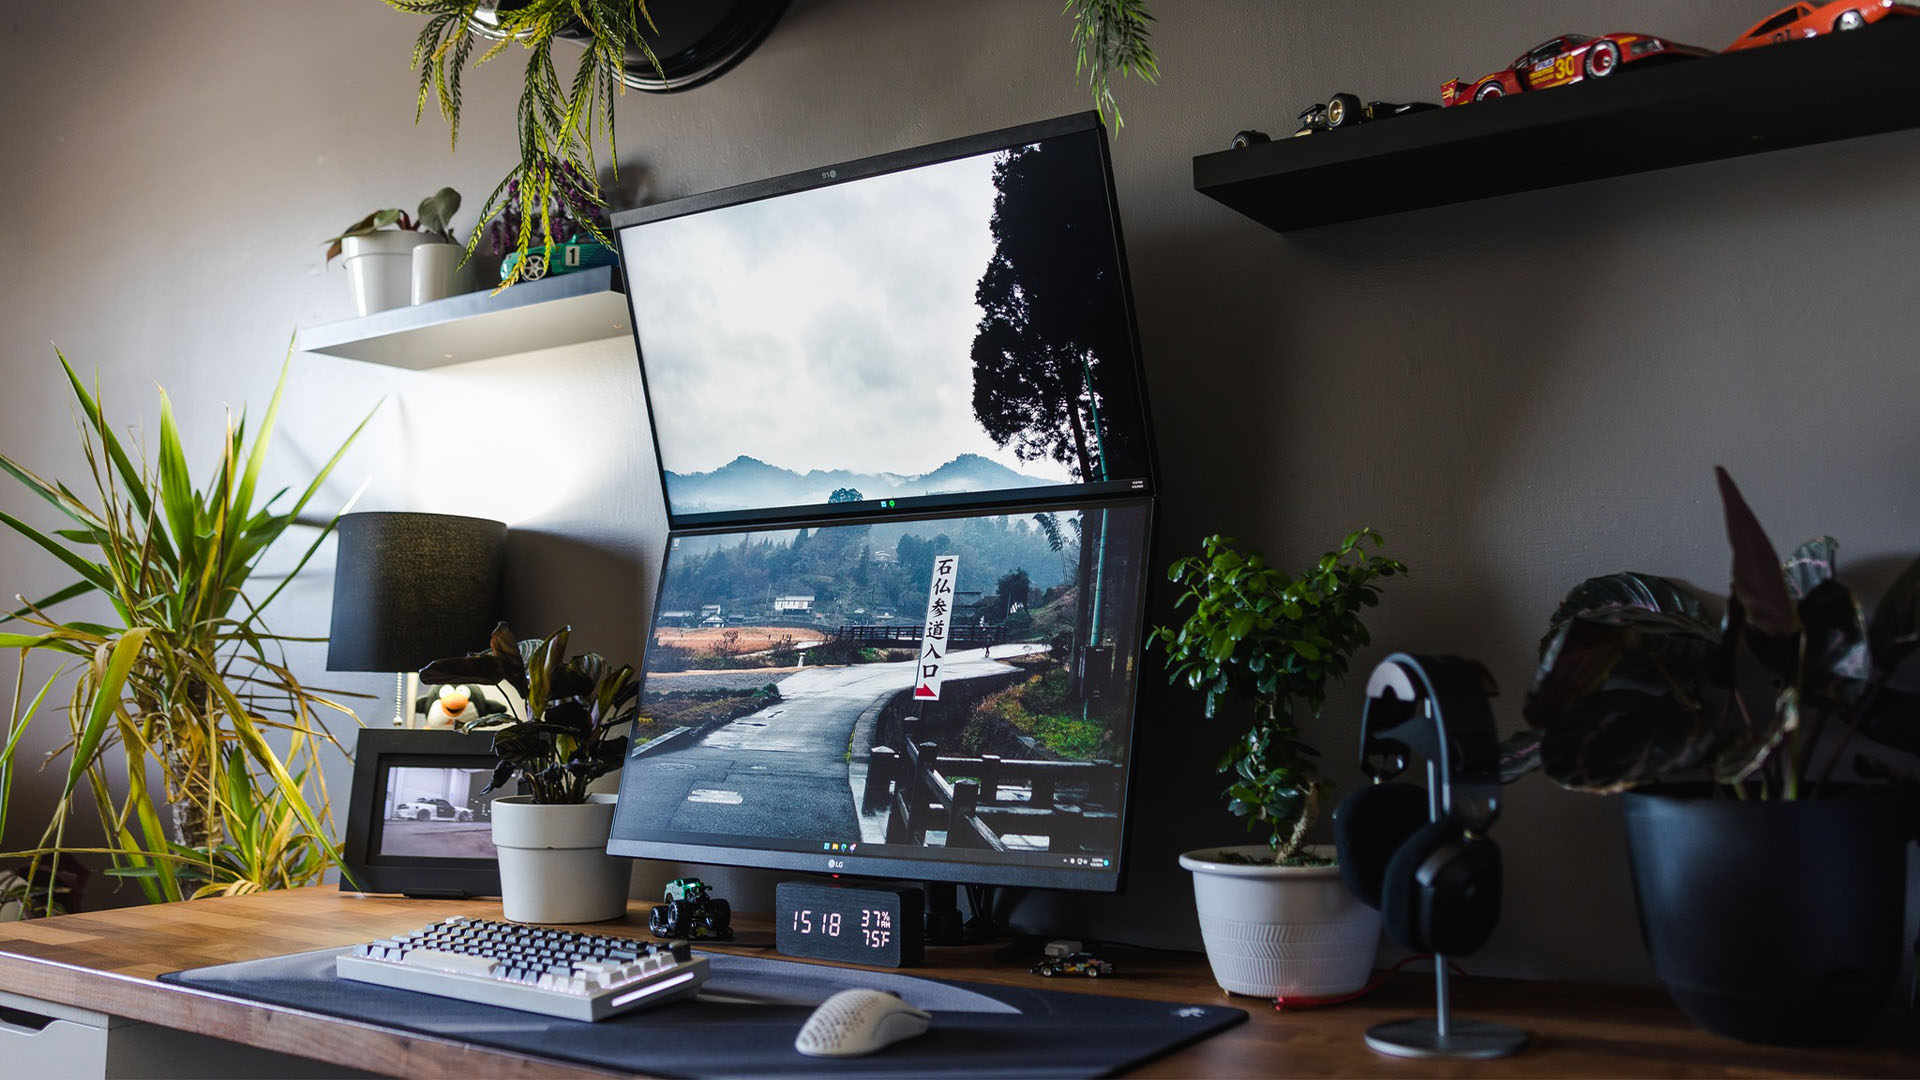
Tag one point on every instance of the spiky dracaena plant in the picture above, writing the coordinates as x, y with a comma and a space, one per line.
1276, 640
186, 678
556, 121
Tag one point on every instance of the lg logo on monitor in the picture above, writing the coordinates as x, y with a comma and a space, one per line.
836, 864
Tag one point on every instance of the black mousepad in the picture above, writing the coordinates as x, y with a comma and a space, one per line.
977, 1030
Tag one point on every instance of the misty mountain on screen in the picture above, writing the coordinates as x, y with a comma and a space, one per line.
747, 482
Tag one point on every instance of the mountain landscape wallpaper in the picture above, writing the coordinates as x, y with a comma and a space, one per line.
956, 327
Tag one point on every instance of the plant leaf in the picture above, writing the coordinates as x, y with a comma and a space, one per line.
1758, 582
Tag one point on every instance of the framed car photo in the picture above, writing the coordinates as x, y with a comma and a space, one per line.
421, 822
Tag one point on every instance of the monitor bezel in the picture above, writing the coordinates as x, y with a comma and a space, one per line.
900, 867
863, 168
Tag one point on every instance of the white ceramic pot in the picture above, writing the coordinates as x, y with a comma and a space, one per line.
554, 866
436, 271
1281, 930
380, 268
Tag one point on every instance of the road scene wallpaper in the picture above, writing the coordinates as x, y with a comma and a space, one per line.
958, 327
779, 690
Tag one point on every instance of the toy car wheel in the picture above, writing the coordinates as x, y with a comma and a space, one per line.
464, 815
422, 816
1602, 59
1244, 139
536, 268
1047, 972
1343, 109
1093, 973
1488, 90
1849, 20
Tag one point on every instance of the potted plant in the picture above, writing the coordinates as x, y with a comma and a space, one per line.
557, 118
1767, 850
183, 703
381, 254
1274, 640
552, 840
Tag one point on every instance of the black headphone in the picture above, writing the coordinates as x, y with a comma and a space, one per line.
1421, 856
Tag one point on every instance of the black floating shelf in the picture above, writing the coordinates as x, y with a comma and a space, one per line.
564, 309
1770, 98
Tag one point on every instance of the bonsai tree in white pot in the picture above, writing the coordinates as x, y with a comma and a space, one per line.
1275, 917
552, 841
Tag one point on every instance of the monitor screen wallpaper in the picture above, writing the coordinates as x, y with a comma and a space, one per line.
920, 337
788, 702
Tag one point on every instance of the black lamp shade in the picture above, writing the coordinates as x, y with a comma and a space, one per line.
409, 589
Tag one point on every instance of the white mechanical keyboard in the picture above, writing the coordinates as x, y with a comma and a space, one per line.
531, 968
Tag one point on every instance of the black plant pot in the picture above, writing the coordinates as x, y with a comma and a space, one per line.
1774, 922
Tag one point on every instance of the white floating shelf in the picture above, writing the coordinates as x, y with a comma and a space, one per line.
565, 309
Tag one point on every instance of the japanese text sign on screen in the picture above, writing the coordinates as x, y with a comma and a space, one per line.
933, 643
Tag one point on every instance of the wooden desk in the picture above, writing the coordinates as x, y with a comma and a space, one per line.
106, 962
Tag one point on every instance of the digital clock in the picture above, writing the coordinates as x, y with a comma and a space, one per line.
858, 924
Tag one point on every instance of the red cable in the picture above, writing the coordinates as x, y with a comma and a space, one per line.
1283, 1003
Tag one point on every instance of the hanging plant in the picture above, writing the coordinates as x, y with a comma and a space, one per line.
1110, 41
558, 121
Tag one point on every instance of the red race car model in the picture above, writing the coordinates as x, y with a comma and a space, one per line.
1811, 20
1568, 59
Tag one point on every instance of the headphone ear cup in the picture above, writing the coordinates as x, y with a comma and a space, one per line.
1368, 827
1455, 910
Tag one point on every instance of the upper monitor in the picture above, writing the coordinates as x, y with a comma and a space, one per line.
944, 326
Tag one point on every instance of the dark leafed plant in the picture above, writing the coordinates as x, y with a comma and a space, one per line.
434, 217
556, 120
1637, 685
1110, 41
1275, 640
574, 706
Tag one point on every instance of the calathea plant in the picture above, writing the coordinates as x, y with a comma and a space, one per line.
1638, 685
1275, 640
575, 705
434, 216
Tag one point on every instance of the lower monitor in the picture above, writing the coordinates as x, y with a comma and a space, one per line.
948, 698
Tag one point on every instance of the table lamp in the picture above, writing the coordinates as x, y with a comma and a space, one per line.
409, 589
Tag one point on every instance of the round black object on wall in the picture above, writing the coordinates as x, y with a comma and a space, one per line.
409, 589
699, 41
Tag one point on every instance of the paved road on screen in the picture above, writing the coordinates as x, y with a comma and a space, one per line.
783, 770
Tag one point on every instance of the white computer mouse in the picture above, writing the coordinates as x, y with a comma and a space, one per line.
855, 1022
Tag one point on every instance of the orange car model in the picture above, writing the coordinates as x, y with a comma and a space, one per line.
1569, 58
1811, 20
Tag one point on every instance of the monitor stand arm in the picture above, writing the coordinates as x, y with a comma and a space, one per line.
944, 926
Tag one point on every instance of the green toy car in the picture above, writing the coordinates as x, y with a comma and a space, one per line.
688, 910
563, 258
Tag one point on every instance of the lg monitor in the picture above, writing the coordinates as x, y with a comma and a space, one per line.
943, 326
898, 413
895, 698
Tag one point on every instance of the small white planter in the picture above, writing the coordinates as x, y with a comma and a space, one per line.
554, 866
1281, 930
380, 268
436, 271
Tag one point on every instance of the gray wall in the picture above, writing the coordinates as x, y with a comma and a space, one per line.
1518, 393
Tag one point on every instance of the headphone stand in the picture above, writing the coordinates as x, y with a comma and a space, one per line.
1442, 1036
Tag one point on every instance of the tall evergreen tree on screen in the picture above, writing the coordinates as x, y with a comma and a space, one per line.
1050, 355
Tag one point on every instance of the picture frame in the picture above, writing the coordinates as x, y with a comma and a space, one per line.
418, 823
